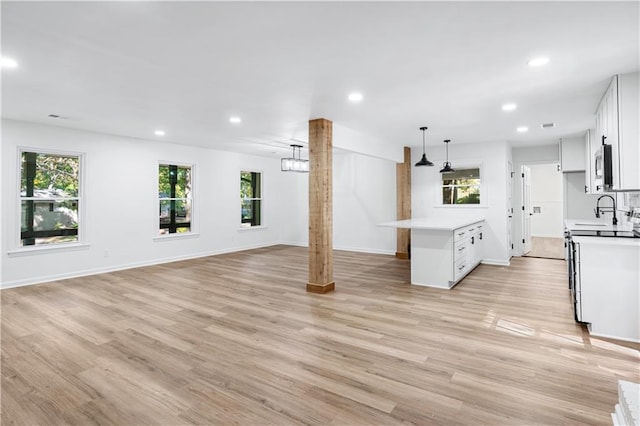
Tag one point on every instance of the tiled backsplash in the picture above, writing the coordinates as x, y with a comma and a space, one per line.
632, 199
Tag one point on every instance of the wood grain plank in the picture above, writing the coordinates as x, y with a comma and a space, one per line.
236, 339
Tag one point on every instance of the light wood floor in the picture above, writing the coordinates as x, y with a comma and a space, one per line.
235, 339
550, 248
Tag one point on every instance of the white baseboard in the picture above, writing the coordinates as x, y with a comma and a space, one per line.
365, 250
114, 268
354, 249
496, 262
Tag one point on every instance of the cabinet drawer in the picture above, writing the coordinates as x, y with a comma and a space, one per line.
467, 231
459, 268
460, 234
460, 250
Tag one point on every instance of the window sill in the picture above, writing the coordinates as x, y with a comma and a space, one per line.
462, 206
172, 237
57, 248
251, 228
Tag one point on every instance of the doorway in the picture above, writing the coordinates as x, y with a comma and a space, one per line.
542, 219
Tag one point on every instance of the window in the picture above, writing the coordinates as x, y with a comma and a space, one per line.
174, 193
49, 198
250, 199
461, 186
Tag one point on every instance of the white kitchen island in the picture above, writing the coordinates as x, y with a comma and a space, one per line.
443, 249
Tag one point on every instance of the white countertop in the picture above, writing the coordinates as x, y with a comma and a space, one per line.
434, 223
596, 225
607, 241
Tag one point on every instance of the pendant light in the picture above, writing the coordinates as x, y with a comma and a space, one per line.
423, 161
446, 167
294, 164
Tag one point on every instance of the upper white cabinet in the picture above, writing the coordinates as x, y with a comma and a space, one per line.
589, 155
572, 154
628, 131
617, 125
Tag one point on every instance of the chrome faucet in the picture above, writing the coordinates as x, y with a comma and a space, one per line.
599, 209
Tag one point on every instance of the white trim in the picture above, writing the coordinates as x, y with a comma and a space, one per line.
80, 198
366, 250
609, 336
176, 236
95, 271
462, 206
496, 262
250, 228
548, 236
46, 249
191, 200
464, 164
263, 216
293, 243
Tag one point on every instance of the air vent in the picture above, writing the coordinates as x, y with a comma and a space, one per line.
548, 125
54, 116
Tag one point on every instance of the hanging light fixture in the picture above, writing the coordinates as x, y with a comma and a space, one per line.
446, 167
423, 161
294, 164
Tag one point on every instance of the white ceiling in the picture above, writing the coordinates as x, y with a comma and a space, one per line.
128, 68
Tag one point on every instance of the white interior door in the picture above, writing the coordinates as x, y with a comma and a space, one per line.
510, 207
526, 210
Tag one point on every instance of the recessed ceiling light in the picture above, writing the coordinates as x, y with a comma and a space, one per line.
235, 120
522, 129
7, 62
355, 97
509, 107
159, 133
536, 62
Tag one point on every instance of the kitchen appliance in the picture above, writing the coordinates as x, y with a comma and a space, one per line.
573, 256
608, 233
574, 278
604, 167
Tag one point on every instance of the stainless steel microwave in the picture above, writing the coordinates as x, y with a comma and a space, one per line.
604, 167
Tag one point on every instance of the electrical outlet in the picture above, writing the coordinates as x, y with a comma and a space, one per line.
106, 253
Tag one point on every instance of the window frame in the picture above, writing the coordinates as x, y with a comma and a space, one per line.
463, 165
192, 222
261, 199
80, 242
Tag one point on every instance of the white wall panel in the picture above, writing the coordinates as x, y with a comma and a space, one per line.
493, 157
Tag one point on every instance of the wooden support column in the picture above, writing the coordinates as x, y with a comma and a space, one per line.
320, 206
403, 204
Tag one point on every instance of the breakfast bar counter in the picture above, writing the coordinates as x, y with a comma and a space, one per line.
443, 249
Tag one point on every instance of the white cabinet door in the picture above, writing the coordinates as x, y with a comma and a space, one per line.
629, 130
478, 252
572, 154
526, 210
610, 294
589, 185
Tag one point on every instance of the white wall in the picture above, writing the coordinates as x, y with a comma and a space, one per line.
121, 206
364, 194
546, 194
493, 157
577, 204
527, 155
